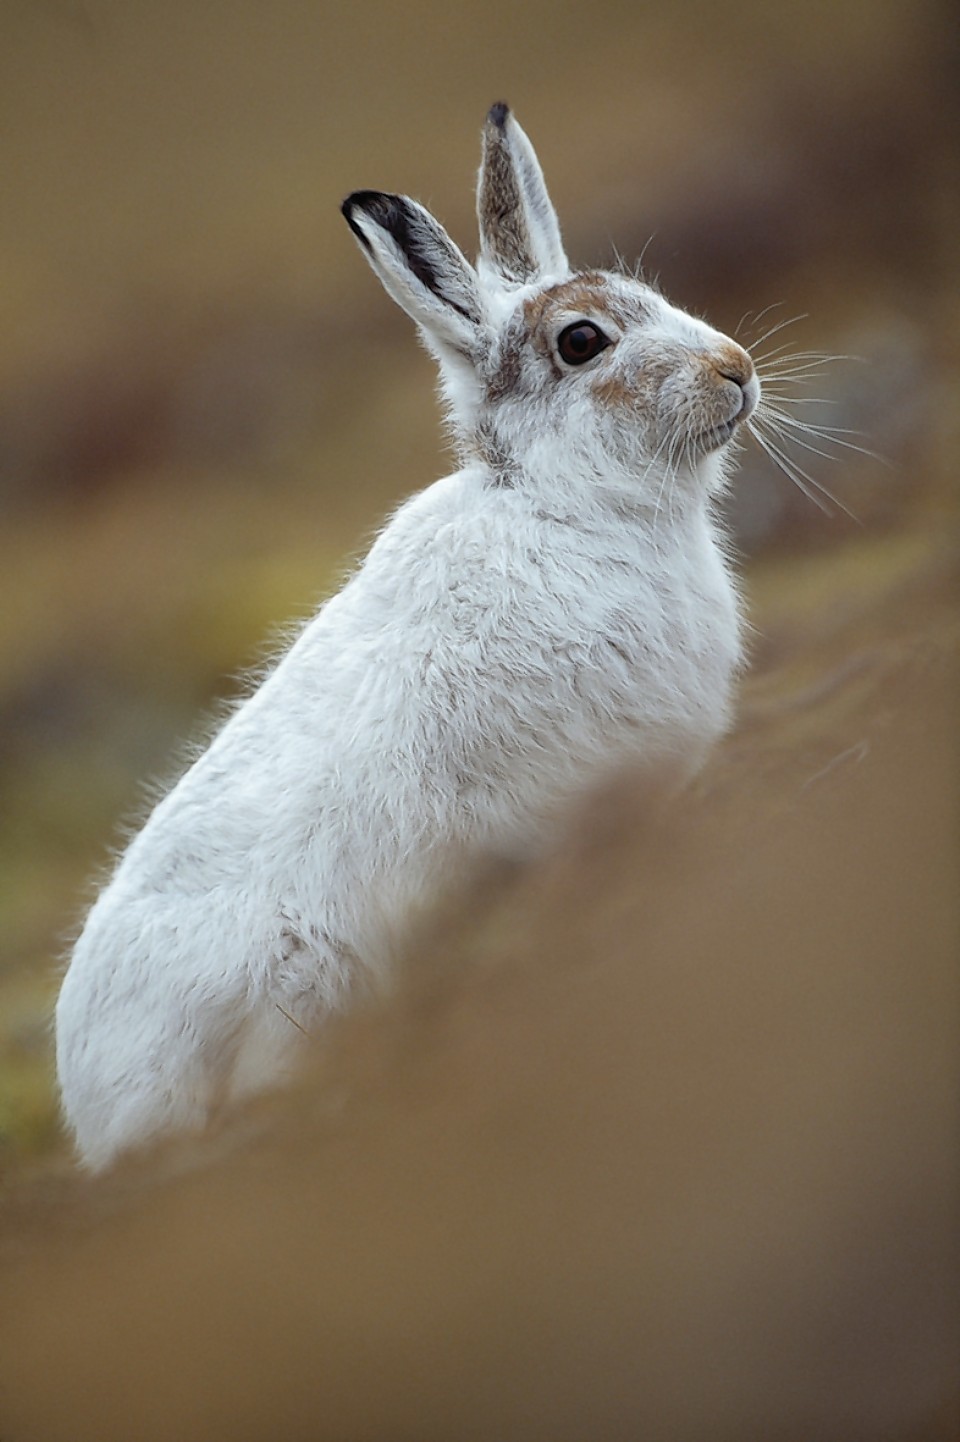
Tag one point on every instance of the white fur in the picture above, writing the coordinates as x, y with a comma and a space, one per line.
558, 607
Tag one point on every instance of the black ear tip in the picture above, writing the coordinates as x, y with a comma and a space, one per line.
497, 114
377, 204
354, 202
370, 201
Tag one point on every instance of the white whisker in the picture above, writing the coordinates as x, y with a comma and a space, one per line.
666, 483
798, 361
800, 379
829, 435
786, 437
757, 316
782, 465
774, 329
770, 396
793, 470
638, 272
781, 353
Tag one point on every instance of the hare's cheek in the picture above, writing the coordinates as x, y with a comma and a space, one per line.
676, 406
689, 401
621, 395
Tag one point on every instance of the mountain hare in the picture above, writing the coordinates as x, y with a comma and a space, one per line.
559, 607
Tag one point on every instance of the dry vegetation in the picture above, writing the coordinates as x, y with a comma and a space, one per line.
659, 1138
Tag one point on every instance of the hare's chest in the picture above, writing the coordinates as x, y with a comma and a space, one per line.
655, 648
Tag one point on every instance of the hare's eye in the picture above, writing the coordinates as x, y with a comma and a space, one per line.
580, 342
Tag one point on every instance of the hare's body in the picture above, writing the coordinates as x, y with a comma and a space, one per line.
558, 607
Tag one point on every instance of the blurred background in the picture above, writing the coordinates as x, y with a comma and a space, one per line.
207, 403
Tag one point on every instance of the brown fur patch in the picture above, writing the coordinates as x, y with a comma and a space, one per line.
619, 392
503, 224
731, 362
613, 391
505, 378
587, 294
487, 447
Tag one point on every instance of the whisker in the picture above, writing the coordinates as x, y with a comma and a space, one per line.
830, 435
646, 246
782, 372
781, 353
795, 472
671, 468
680, 452
772, 395
799, 361
663, 480
774, 329
781, 465
799, 374
792, 363
800, 379
757, 316
811, 425
786, 438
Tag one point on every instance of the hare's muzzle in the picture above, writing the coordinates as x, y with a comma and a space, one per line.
735, 372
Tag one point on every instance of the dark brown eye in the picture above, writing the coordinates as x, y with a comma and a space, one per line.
580, 342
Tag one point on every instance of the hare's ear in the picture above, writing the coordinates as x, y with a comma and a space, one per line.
419, 266
519, 232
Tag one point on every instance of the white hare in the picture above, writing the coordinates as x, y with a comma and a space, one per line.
557, 608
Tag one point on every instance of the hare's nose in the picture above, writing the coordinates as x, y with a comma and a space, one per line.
733, 364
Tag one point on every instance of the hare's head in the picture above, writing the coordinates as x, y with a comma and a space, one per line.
552, 374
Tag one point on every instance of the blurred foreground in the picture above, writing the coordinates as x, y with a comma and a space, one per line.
657, 1138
